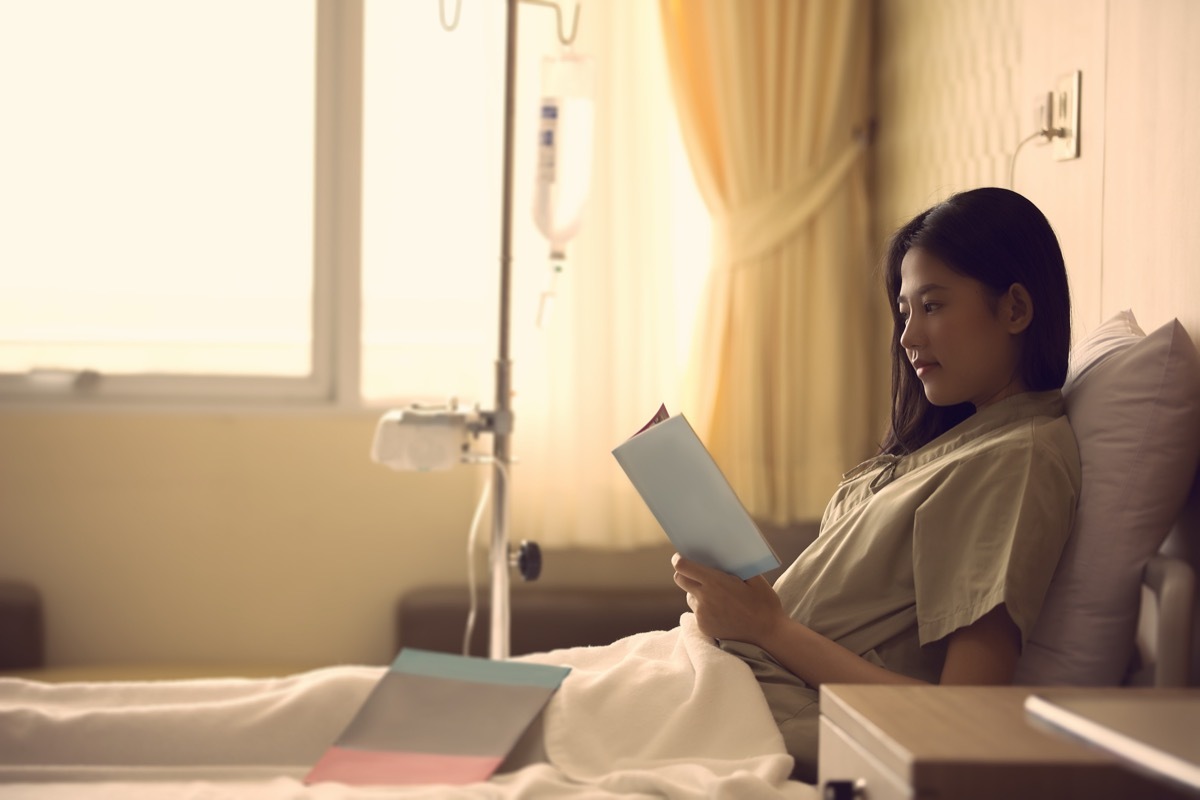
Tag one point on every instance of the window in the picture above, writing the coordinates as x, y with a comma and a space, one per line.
279, 201
432, 156
157, 197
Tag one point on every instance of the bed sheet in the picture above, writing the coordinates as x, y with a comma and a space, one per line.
657, 714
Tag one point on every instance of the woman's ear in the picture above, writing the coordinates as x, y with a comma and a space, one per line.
1017, 308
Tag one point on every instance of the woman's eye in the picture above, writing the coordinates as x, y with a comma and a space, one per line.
931, 307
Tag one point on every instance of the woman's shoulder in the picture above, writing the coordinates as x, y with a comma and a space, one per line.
1037, 448
1046, 435
1040, 440
1035, 452
1031, 421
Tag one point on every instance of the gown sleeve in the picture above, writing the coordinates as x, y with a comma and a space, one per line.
991, 534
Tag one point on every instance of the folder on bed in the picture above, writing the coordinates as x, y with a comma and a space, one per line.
691, 499
436, 718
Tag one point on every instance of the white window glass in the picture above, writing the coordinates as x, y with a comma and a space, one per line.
156, 186
433, 149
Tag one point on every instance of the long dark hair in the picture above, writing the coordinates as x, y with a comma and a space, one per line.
999, 238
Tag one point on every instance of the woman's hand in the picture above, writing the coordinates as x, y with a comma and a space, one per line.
727, 607
750, 611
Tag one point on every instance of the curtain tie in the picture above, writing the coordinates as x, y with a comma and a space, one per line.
755, 228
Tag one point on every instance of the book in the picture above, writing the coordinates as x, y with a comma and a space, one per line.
688, 494
438, 718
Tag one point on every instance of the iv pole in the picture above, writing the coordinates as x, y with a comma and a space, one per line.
500, 421
498, 645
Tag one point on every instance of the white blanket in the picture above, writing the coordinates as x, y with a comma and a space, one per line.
657, 714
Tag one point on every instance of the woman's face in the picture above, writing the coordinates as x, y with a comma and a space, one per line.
962, 344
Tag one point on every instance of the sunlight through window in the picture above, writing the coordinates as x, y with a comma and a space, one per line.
157, 189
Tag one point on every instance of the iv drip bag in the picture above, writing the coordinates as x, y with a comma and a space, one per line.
564, 162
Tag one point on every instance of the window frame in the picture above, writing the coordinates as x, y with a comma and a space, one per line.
333, 378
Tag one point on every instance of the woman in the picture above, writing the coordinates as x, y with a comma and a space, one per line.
934, 557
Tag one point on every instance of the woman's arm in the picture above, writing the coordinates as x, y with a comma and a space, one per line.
726, 607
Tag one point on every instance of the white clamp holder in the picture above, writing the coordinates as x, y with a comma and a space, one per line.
424, 438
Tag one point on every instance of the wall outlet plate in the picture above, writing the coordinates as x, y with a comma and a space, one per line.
1066, 116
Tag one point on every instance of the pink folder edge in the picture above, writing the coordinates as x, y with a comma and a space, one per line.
380, 768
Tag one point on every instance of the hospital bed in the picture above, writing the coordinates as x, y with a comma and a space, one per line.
664, 713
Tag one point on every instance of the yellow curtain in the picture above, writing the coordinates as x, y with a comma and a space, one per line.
773, 102
610, 352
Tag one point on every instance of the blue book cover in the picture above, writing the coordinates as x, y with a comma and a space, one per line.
688, 494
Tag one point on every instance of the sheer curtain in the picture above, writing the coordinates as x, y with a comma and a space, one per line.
616, 342
773, 104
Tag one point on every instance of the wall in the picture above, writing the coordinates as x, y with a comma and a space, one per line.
233, 538
179, 537
1152, 162
956, 90
946, 102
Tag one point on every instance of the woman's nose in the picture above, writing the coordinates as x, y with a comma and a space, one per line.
911, 335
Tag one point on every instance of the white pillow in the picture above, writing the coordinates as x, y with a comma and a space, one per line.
1134, 404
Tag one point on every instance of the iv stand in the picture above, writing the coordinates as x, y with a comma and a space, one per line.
498, 644
500, 421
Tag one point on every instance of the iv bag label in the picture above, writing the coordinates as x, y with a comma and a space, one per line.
547, 133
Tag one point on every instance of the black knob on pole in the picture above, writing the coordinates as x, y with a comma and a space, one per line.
529, 560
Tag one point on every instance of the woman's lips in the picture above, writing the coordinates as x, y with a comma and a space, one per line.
923, 367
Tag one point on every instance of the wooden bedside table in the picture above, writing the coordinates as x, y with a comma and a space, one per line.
971, 742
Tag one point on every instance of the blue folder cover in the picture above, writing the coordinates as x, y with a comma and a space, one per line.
691, 499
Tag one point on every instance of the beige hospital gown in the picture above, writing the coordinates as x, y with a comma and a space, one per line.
913, 548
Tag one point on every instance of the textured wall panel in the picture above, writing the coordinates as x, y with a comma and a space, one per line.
947, 109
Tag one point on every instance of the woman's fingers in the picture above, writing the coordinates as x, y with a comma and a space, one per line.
726, 607
695, 570
686, 583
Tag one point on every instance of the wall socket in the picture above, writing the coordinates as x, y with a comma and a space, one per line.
1064, 108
